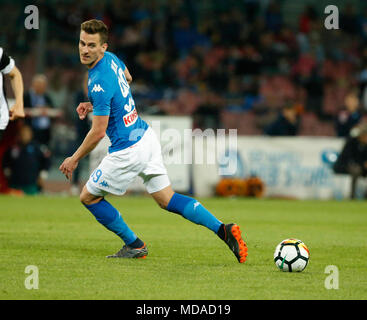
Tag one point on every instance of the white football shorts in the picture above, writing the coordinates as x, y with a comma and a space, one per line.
118, 169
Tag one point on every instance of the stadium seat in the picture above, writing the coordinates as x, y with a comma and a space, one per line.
244, 122
311, 126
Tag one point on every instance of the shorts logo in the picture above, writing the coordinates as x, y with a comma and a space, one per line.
104, 184
130, 118
97, 88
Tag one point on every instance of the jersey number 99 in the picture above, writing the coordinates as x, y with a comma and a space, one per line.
124, 86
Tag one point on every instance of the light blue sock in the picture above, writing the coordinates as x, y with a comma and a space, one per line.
109, 217
193, 211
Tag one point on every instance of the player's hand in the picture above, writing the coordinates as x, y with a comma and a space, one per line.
16, 111
68, 166
83, 109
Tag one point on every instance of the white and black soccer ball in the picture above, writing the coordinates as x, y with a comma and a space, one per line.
291, 255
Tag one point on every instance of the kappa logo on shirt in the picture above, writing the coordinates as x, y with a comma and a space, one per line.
97, 88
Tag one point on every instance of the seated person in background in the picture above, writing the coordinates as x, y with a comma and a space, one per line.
37, 97
349, 116
26, 163
353, 157
286, 124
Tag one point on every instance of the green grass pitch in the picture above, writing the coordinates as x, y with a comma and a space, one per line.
185, 261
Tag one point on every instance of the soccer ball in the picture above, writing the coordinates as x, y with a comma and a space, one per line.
291, 255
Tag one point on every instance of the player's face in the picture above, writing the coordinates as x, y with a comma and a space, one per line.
90, 48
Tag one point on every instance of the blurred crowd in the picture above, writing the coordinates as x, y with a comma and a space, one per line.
228, 64
232, 64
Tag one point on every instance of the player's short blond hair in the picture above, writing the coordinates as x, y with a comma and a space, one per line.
96, 26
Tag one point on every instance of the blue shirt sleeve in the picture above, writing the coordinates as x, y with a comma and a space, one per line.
101, 95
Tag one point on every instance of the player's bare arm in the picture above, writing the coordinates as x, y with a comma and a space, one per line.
128, 76
17, 109
95, 134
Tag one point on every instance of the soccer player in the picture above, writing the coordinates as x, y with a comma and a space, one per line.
135, 150
8, 68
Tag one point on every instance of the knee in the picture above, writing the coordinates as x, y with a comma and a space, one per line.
87, 199
83, 199
163, 203
163, 197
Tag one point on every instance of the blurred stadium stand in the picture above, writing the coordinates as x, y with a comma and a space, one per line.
244, 59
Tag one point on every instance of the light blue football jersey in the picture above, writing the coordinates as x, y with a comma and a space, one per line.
110, 95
